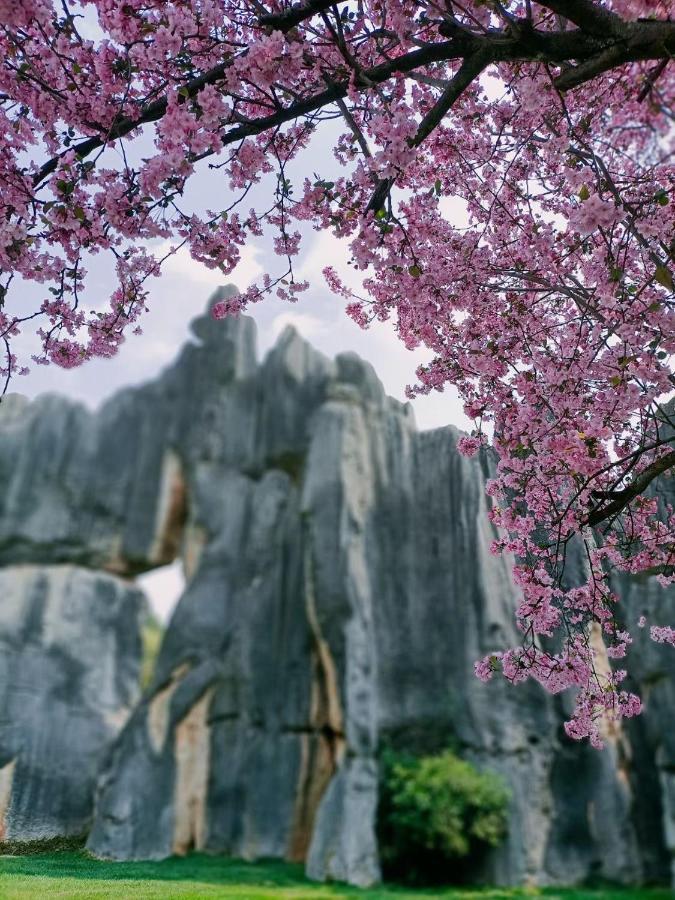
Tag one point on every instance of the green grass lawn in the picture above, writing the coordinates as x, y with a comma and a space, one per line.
74, 874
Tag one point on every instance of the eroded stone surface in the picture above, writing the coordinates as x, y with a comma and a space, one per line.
70, 655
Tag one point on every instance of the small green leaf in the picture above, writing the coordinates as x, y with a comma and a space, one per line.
415, 271
662, 198
664, 277
584, 193
615, 380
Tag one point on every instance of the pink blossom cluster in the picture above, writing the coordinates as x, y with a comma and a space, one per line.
592, 214
662, 634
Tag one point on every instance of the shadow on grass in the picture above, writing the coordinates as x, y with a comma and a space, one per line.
195, 867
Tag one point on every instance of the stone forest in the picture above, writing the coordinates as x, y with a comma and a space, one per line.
339, 589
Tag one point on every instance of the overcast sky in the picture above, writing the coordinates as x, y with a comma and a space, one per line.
181, 293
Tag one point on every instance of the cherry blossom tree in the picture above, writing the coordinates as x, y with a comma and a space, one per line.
551, 311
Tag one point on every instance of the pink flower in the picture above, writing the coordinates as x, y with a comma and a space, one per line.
468, 446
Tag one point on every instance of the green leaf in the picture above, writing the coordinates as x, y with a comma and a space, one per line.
662, 198
584, 193
415, 271
522, 451
664, 277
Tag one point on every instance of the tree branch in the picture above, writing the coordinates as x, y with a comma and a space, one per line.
291, 17
470, 69
467, 73
635, 488
586, 14
643, 40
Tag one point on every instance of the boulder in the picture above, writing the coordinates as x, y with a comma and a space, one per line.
70, 654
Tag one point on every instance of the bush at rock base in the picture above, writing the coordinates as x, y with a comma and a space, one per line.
437, 814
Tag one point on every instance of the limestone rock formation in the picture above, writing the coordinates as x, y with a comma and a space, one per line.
339, 590
651, 736
69, 673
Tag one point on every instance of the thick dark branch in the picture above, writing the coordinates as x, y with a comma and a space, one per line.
586, 14
652, 78
635, 488
604, 61
291, 17
468, 71
641, 40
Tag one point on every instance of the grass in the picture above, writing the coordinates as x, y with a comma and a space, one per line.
72, 874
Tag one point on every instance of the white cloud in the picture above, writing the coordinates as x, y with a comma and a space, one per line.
328, 250
454, 209
182, 265
309, 326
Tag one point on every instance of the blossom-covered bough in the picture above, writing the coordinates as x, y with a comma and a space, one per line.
551, 311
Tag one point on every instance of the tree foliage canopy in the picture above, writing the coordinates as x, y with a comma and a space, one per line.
550, 309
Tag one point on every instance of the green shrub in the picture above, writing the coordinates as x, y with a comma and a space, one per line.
437, 815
